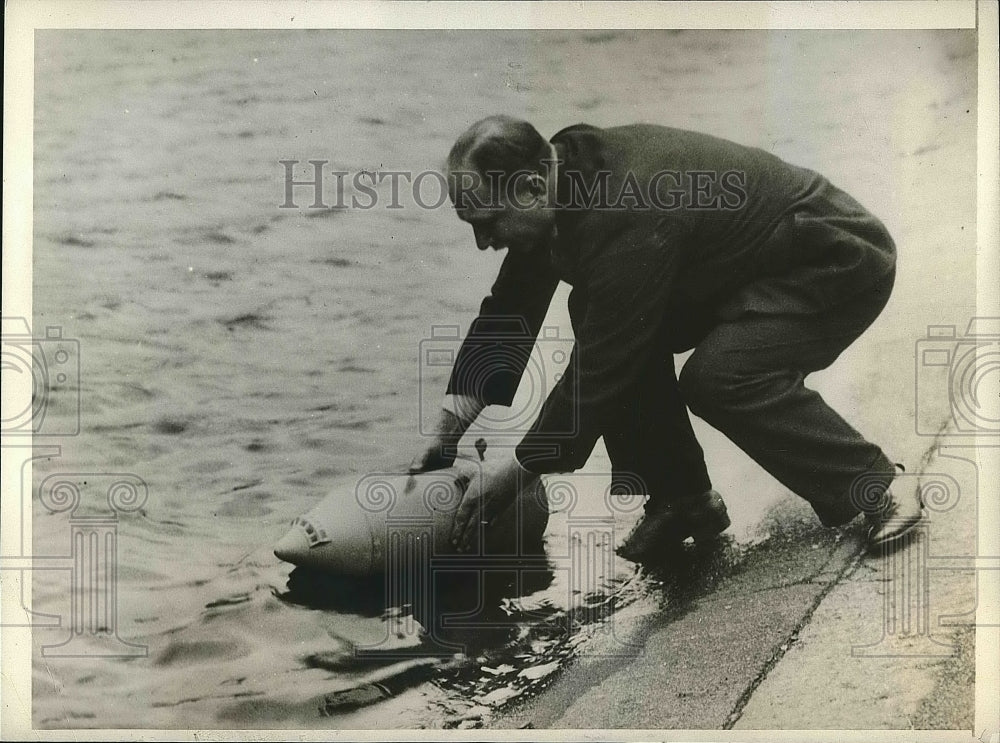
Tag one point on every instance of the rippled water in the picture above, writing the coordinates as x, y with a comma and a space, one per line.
243, 360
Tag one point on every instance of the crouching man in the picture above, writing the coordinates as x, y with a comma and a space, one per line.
672, 240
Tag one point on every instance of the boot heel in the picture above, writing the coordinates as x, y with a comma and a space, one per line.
711, 527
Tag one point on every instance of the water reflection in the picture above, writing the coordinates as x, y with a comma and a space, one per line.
490, 635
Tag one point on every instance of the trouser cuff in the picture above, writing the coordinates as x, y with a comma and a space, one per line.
864, 494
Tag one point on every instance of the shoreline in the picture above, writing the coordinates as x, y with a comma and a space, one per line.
814, 648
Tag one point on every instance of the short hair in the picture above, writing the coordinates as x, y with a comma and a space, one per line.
499, 144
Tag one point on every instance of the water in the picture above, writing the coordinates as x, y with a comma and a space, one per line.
243, 359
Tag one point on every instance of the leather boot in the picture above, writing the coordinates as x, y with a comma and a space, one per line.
896, 516
701, 517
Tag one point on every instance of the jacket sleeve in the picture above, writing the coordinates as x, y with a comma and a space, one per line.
496, 349
628, 287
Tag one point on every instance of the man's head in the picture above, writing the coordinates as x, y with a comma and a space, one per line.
501, 182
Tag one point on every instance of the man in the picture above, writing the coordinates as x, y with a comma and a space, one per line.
672, 240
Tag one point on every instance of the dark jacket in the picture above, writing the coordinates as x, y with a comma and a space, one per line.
662, 233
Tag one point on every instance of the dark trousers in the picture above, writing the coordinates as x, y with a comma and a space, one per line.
746, 378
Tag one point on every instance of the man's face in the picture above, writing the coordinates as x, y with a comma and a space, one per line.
509, 215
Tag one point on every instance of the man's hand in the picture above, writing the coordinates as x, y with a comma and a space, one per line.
486, 497
440, 452
457, 414
437, 456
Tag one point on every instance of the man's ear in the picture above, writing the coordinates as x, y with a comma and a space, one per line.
537, 185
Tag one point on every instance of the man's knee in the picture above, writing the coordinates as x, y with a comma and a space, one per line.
704, 382
713, 383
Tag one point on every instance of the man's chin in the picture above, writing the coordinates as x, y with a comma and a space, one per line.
526, 248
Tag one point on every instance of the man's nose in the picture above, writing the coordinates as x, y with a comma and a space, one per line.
483, 239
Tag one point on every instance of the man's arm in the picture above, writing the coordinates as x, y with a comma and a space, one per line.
492, 358
496, 350
628, 286
457, 414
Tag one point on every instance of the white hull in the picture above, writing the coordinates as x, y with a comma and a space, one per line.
390, 519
